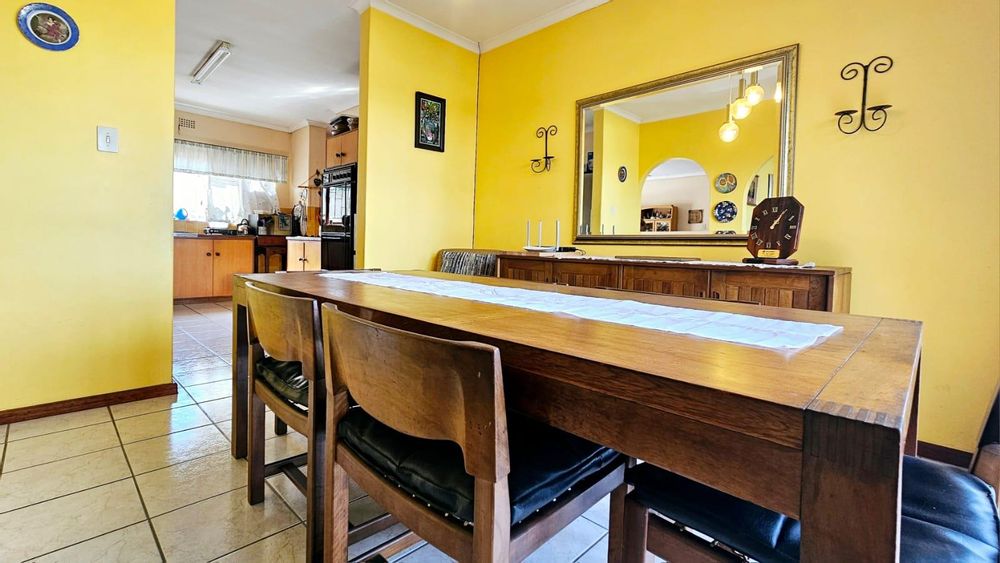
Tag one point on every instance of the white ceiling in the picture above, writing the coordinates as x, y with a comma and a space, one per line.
481, 25
689, 99
292, 61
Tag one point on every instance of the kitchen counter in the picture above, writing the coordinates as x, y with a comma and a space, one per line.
305, 239
213, 237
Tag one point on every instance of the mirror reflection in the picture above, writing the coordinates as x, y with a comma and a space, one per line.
686, 159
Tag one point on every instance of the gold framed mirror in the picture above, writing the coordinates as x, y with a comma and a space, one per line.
684, 159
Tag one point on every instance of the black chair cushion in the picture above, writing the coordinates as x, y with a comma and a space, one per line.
947, 515
544, 463
285, 379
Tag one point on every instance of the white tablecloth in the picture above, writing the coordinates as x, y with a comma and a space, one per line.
728, 327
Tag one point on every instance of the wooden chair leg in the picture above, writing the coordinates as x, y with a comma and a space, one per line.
315, 480
616, 524
255, 455
636, 528
491, 535
336, 498
280, 428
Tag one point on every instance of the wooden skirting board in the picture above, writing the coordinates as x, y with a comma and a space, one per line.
83, 403
944, 454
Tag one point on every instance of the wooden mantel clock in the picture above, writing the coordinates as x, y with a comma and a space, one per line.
774, 231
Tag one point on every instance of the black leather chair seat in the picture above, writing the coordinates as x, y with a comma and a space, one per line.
544, 463
285, 379
947, 515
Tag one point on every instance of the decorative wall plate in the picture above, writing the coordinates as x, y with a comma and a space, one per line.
622, 173
725, 182
724, 211
48, 26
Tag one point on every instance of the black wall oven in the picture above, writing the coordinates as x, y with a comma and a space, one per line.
338, 214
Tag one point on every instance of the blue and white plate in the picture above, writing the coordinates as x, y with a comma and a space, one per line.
48, 26
724, 211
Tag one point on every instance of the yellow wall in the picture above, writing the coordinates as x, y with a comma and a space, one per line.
696, 137
87, 298
616, 143
900, 206
413, 202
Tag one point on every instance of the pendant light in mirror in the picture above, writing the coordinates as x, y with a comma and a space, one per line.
729, 130
740, 106
755, 92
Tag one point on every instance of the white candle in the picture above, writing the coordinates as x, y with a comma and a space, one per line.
539, 232
557, 233
527, 233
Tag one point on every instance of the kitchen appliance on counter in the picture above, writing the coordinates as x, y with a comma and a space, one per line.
274, 223
338, 211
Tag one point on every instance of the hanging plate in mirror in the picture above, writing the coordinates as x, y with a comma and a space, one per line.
725, 182
724, 211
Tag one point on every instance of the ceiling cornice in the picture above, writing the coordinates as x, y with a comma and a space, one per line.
207, 112
416, 21
623, 113
531, 26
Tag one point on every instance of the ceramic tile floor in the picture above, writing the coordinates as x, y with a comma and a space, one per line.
153, 480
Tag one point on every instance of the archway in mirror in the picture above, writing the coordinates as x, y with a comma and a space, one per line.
675, 198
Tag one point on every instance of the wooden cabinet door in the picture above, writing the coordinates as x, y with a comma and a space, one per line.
231, 257
311, 256
688, 282
349, 147
527, 270
192, 268
332, 151
296, 252
799, 291
586, 275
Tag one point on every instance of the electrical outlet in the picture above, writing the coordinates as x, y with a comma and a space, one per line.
107, 139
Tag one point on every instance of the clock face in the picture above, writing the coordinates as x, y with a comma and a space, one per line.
774, 227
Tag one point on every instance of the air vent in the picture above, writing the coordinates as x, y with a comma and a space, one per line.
185, 123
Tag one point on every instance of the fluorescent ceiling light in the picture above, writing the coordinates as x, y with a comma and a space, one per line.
211, 62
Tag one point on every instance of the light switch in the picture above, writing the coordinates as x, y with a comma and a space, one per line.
107, 139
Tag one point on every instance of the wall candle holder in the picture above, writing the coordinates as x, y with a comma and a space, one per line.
544, 164
845, 118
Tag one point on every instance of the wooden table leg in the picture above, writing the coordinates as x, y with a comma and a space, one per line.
851, 483
241, 353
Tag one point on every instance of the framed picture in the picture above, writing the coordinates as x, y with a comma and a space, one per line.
48, 26
429, 122
752, 191
696, 216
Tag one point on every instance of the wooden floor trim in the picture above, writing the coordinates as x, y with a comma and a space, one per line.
944, 454
83, 403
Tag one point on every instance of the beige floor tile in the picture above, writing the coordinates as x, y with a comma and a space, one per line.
210, 391
48, 526
219, 525
227, 427
596, 554
191, 481
600, 513
568, 544
161, 423
58, 423
288, 491
209, 375
50, 480
218, 410
362, 510
426, 554
59, 445
356, 549
281, 447
288, 546
134, 544
146, 406
185, 445
198, 364
192, 353
206, 308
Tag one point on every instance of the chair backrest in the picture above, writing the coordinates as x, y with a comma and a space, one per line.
422, 386
991, 428
284, 327
468, 262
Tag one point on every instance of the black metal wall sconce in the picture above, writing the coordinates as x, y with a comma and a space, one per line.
845, 118
544, 164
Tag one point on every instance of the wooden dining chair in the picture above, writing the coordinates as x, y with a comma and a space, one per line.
431, 441
286, 376
947, 514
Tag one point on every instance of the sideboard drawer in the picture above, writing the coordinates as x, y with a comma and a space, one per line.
799, 291
669, 281
526, 270
585, 275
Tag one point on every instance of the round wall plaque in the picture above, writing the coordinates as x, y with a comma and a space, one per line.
48, 26
725, 182
622, 173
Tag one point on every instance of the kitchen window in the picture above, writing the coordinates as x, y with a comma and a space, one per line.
215, 183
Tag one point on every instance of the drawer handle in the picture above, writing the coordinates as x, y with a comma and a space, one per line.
217, 254
208, 254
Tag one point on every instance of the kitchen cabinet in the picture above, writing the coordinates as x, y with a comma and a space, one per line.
342, 149
304, 254
204, 267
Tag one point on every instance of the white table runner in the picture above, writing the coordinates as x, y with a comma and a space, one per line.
728, 327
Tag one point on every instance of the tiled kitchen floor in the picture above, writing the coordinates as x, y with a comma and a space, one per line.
153, 480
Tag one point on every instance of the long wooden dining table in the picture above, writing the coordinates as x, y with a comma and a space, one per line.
818, 434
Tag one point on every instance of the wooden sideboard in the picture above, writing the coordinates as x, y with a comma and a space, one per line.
818, 289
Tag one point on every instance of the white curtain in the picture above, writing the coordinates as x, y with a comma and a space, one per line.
224, 184
198, 158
